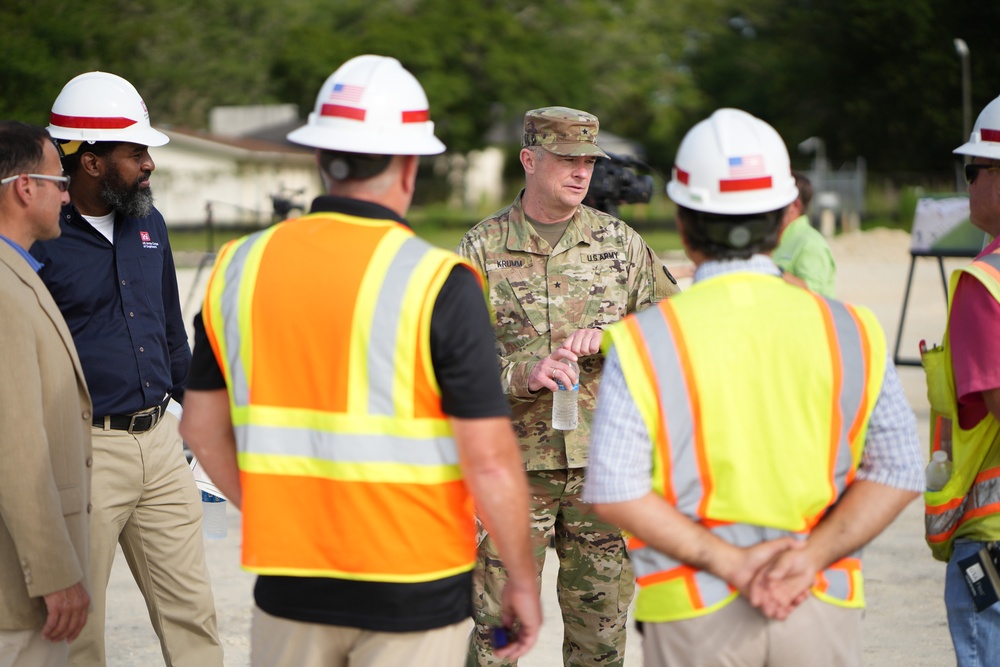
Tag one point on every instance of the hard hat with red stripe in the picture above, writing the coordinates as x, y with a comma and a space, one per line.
371, 104
732, 163
98, 106
985, 138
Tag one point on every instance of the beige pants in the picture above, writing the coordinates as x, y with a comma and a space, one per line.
26, 648
279, 642
816, 634
144, 498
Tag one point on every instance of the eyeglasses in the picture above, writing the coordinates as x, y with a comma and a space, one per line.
972, 170
62, 182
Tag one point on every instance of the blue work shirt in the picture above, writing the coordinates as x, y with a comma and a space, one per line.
122, 307
32, 262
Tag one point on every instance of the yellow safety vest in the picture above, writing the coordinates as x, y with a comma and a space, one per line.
348, 466
969, 504
756, 396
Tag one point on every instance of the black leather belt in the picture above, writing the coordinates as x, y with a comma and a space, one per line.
137, 422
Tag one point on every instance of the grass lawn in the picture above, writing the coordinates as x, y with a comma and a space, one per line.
197, 240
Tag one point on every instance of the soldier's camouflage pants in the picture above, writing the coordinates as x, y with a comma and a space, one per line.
595, 582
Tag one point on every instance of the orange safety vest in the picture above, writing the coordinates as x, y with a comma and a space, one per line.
969, 504
348, 465
756, 454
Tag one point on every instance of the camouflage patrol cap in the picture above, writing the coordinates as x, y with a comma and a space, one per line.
562, 131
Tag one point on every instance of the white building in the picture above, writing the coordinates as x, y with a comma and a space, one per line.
233, 170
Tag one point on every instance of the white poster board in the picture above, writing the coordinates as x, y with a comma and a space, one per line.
941, 227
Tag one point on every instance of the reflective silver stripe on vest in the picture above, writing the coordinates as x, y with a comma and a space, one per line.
986, 492
388, 311
993, 259
676, 405
711, 589
838, 583
382, 348
981, 494
347, 447
230, 306
852, 392
674, 394
650, 561
673, 389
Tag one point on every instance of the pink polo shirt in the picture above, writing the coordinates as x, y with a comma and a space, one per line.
974, 326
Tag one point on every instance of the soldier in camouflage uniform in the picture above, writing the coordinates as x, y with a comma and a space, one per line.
556, 273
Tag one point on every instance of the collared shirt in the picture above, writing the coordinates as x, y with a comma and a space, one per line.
32, 262
804, 252
975, 347
122, 307
621, 456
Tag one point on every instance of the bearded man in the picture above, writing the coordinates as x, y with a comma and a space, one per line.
112, 275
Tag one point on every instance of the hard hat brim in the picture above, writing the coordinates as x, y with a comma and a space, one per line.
142, 136
150, 137
990, 150
360, 141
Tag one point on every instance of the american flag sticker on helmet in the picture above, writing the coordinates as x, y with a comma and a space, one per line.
345, 92
746, 166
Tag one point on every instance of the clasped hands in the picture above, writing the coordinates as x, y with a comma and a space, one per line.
774, 576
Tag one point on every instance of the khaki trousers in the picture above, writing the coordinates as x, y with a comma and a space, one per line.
816, 634
27, 648
144, 498
279, 642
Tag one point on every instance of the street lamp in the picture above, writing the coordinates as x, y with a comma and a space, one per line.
816, 146
962, 49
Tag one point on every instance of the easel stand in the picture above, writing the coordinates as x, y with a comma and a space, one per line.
899, 361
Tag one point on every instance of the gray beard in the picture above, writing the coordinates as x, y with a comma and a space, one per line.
132, 202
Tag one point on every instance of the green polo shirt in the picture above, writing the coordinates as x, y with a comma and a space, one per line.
803, 252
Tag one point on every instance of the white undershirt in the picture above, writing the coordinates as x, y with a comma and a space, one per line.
105, 224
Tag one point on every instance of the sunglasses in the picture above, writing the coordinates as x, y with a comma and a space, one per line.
62, 182
972, 170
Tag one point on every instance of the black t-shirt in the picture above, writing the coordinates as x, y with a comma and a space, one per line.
465, 365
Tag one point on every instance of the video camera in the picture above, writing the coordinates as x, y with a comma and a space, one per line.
284, 203
615, 182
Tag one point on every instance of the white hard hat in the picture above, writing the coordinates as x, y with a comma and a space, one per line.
98, 106
732, 164
985, 139
371, 105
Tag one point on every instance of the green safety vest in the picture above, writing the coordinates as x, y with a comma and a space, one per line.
757, 396
969, 504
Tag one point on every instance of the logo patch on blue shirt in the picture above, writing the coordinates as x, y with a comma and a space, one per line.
147, 242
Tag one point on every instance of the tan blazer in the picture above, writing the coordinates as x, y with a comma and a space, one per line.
45, 455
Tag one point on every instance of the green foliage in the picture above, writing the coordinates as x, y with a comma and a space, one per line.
873, 78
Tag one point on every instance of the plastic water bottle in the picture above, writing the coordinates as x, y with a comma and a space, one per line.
938, 471
565, 412
213, 525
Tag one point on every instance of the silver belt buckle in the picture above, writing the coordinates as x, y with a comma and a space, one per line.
153, 413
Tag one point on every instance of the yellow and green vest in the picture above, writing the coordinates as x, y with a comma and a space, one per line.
968, 506
756, 396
